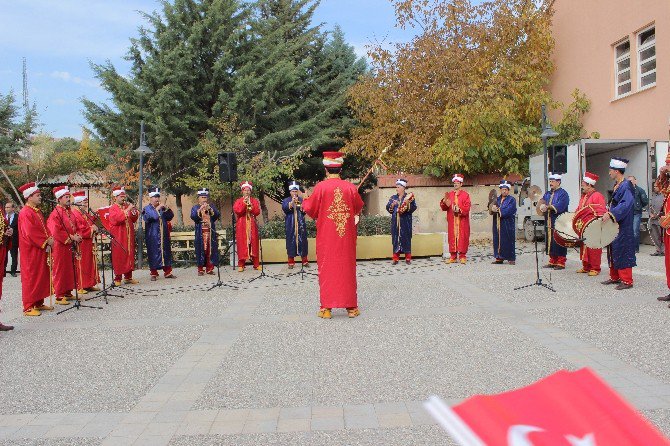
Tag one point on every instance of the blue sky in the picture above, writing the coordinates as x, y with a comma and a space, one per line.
59, 38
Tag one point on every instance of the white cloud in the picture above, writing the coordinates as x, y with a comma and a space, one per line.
67, 77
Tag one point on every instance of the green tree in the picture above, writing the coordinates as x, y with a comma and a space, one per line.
262, 65
264, 169
291, 95
15, 135
570, 128
183, 66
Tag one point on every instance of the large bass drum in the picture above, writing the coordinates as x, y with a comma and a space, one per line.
563, 232
589, 225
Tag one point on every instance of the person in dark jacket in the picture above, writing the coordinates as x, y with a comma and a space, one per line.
641, 202
13, 218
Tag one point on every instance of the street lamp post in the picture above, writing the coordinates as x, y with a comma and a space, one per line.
142, 150
547, 132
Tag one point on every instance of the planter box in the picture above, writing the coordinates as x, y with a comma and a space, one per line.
367, 247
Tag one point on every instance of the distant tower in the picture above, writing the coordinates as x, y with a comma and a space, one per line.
25, 86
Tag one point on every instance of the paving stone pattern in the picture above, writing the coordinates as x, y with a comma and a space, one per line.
171, 363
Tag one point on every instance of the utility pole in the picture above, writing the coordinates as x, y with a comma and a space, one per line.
26, 104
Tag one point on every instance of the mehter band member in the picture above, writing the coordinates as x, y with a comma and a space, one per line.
66, 251
590, 257
246, 209
122, 219
335, 204
295, 225
157, 235
401, 206
556, 201
621, 252
504, 226
457, 205
87, 266
204, 215
663, 186
36, 245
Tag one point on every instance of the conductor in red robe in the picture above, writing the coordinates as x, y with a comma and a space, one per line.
246, 210
5, 241
591, 258
36, 244
122, 218
457, 205
62, 225
335, 204
87, 266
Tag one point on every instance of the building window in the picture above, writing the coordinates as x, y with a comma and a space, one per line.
646, 57
622, 68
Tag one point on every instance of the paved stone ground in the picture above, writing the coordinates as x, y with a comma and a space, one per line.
183, 366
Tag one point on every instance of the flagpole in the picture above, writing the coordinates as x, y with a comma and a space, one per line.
451, 422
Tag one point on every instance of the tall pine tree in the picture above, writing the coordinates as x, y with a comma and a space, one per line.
291, 94
262, 65
183, 66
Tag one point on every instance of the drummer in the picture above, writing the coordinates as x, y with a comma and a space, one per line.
590, 196
556, 201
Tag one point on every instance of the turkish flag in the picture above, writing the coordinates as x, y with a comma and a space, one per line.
564, 409
103, 213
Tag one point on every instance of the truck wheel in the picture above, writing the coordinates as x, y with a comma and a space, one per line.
529, 230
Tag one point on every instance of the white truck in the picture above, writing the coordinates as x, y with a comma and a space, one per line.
592, 155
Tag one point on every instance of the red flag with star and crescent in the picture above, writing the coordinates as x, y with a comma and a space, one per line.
565, 409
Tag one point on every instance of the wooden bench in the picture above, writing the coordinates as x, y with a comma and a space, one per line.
184, 242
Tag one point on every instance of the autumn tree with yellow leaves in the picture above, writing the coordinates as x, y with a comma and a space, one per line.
465, 94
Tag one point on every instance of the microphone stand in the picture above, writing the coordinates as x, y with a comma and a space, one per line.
77, 303
101, 231
219, 283
538, 280
260, 247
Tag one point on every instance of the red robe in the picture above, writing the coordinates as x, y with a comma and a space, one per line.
5, 242
122, 227
34, 260
62, 225
458, 225
591, 258
87, 266
333, 205
246, 228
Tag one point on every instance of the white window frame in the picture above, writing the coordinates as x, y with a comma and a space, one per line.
618, 60
641, 62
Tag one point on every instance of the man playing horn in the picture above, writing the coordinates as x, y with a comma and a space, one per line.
87, 266
122, 218
295, 225
246, 210
204, 215
66, 251
457, 205
157, 235
401, 206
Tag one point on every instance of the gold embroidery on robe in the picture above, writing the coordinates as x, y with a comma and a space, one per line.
338, 211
